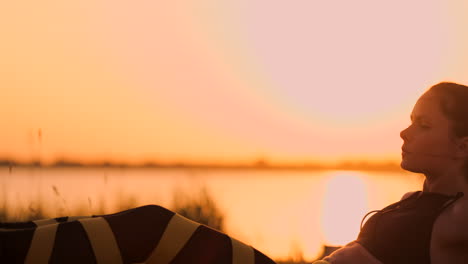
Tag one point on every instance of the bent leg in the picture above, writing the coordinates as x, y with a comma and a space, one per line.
148, 234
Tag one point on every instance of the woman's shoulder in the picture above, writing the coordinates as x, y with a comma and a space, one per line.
452, 224
450, 234
458, 212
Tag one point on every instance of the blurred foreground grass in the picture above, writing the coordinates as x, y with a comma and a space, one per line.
198, 206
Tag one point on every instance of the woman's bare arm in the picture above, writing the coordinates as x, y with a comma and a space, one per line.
352, 253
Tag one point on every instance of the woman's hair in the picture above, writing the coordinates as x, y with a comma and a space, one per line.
453, 99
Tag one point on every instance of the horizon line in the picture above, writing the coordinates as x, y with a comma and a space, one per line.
388, 165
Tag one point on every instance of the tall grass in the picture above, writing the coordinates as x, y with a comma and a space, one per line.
198, 206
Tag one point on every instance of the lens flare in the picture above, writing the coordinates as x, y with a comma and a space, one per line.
344, 205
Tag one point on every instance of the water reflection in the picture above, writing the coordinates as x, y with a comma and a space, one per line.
344, 204
281, 213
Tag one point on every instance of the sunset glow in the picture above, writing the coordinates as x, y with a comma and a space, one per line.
220, 82
343, 208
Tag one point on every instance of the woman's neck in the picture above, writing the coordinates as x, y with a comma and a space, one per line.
448, 183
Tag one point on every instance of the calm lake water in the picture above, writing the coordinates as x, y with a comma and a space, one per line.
281, 213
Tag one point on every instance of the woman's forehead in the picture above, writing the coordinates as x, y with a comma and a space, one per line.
427, 107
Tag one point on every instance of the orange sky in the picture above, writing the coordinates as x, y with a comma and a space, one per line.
220, 82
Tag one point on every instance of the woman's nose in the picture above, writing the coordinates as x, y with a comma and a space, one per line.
404, 134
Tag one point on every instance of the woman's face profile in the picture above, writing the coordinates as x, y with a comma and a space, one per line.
428, 143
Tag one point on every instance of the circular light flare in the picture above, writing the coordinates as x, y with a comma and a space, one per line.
344, 205
346, 63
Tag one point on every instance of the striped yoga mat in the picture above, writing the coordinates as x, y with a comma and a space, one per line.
144, 235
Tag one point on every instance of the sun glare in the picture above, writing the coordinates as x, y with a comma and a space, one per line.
344, 205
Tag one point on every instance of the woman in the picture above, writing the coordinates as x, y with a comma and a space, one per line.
430, 226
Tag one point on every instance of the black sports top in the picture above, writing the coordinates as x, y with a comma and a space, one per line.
401, 232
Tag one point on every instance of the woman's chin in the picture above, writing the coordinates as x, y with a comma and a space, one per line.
404, 165
407, 166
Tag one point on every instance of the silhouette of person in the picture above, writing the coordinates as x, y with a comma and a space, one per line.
428, 226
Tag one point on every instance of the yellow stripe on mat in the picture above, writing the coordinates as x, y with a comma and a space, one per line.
44, 222
177, 234
102, 240
42, 245
242, 253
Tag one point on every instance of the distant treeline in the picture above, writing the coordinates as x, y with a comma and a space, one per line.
345, 165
